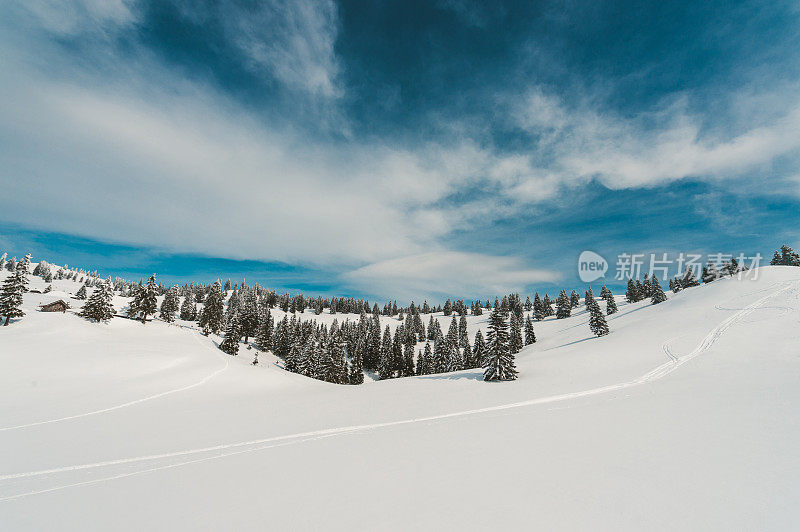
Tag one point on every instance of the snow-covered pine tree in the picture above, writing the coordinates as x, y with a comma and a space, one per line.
210, 319
588, 298
386, 361
188, 308
452, 332
538, 308
99, 306
356, 372
11, 295
611, 304
515, 337
463, 338
468, 357
547, 306
24, 266
479, 349
563, 305
657, 294
631, 295
304, 362
498, 362
144, 300
785, 257
441, 355
530, 336
597, 322
574, 299
294, 357
230, 344
423, 359
407, 369
732, 267
689, 280
264, 334
248, 317
170, 305
710, 273
81, 295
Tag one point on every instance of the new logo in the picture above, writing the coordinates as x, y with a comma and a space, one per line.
591, 266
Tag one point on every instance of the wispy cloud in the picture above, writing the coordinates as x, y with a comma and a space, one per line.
441, 273
291, 41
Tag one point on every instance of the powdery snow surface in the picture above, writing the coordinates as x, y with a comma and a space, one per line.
684, 417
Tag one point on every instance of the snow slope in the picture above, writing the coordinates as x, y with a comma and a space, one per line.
685, 416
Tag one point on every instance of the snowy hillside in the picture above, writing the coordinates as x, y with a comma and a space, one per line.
685, 416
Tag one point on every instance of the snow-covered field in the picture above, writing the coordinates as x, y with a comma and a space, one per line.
684, 417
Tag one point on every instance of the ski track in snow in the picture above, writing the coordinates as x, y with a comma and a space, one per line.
129, 403
255, 445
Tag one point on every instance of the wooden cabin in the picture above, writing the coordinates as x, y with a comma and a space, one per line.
56, 306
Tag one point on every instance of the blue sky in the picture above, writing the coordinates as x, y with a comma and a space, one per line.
395, 149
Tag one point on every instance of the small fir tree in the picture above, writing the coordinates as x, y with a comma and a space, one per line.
230, 344
498, 363
658, 295
597, 322
99, 306
530, 336
81, 292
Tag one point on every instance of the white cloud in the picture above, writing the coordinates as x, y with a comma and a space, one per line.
290, 40
445, 273
657, 147
75, 17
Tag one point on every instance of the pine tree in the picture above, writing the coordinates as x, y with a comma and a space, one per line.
210, 319
479, 349
597, 322
23, 266
230, 344
356, 373
575, 299
538, 308
386, 362
99, 306
658, 295
547, 306
441, 356
689, 280
170, 305
11, 295
188, 308
264, 334
424, 359
408, 361
81, 295
785, 257
530, 336
295, 356
498, 363
588, 298
463, 338
515, 338
631, 295
248, 316
144, 300
563, 305
468, 357
611, 304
